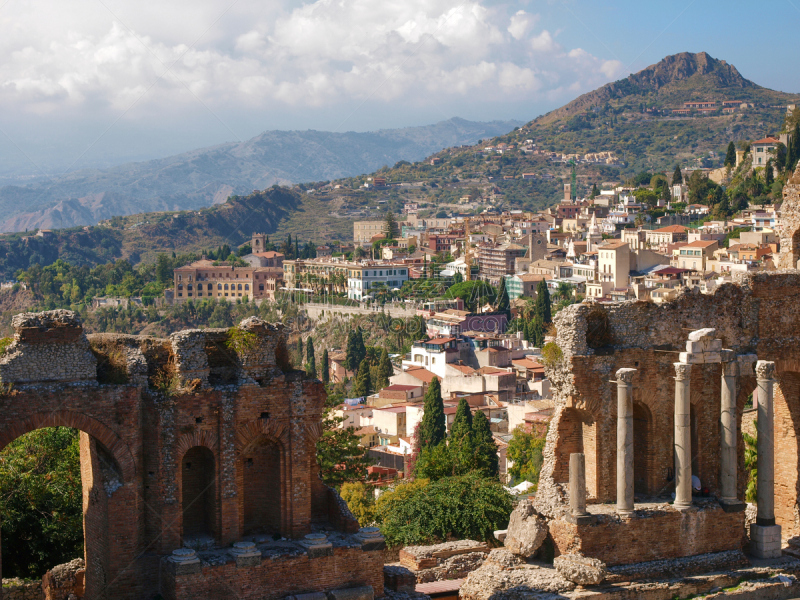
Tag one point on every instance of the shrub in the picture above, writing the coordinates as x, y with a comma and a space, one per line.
551, 354
465, 507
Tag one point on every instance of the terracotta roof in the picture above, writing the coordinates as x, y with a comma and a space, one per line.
527, 363
439, 340
613, 245
421, 373
366, 430
671, 229
400, 388
701, 243
766, 140
270, 254
463, 368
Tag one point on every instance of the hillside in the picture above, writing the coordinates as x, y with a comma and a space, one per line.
208, 176
631, 117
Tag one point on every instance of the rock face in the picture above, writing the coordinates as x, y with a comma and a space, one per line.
526, 530
491, 582
580, 570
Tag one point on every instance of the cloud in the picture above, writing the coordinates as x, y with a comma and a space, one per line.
320, 53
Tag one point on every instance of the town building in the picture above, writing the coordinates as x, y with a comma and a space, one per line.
497, 261
205, 279
364, 231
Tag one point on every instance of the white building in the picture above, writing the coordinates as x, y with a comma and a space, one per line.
362, 280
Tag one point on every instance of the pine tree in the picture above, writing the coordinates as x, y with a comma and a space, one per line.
486, 459
677, 176
326, 372
543, 308
384, 371
390, 226
432, 429
503, 303
311, 364
730, 156
462, 446
363, 383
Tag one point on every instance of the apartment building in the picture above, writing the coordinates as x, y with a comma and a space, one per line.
203, 279
495, 262
364, 231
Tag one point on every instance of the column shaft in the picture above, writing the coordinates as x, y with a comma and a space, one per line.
683, 436
577, 484
727, 422
624, 441
766, 445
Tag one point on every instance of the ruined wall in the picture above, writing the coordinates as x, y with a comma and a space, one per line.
790, 222
143, 406
759, 315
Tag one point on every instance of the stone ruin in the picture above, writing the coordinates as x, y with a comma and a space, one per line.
197, 461
647, 397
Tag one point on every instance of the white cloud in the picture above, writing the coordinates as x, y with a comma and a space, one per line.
164, 56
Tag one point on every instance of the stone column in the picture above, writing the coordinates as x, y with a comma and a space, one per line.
624, 442
766, 444
765, 536
727, 423
683, 436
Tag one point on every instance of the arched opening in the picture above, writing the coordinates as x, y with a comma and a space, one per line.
577, 432
58, 486
643, 454
198, 496
262, 476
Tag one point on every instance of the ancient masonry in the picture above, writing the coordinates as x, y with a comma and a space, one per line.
197, 460
649, 400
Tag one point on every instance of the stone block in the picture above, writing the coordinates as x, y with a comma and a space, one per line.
246, 554
712, 357
317, 545
714, 346
371, 539
765, 541
399, 579
747, 363
692, 347
691, 358
359, 593
526, 530
702, 334
580, 569
500, 535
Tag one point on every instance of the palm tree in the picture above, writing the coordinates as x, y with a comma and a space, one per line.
564, 290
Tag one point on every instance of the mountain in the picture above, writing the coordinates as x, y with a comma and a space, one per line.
207, 176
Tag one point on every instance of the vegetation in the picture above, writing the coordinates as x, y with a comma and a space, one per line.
751, 465
360, 500
424, 512
525, 449
340, 458
41, 502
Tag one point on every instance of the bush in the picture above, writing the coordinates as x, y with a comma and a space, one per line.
551, 354
465, 507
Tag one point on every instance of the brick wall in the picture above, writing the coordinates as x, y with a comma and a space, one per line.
656, 534
141, 497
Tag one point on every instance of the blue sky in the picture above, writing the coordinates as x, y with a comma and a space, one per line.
95, 83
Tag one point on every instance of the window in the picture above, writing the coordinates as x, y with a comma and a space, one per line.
189, 287
240, 287
180, 277
246, 286
180, 286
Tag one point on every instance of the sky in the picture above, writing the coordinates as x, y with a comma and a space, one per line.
99, 82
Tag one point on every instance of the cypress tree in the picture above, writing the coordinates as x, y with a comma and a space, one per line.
486, 459
730, 156
363, 383
311, 367
432, 429
326, 374
299, 351
462, 446
677, 176
543, 308
503, 303
358, 346
768, 176
350, 362
535, 332
385, 371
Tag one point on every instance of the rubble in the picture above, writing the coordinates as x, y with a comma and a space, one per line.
526, 530
580, 570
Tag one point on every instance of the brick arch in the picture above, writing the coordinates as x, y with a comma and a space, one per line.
254, 431
67, 418
199, 438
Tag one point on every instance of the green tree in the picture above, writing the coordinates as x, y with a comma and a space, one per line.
41, 501
432, 430
363, 383
751, 465
486, 459
525, 450
339, 455
360, 500
535, 332
311, 361
461, 442
769, 177
390, 226
325, 368
384, 371
677, 176
435, 462
163, 270
595, 191
355, 351
423, 512
543, 306
730, 156
298, 352
503, 303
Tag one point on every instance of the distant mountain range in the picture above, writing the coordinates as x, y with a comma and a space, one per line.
207, 176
